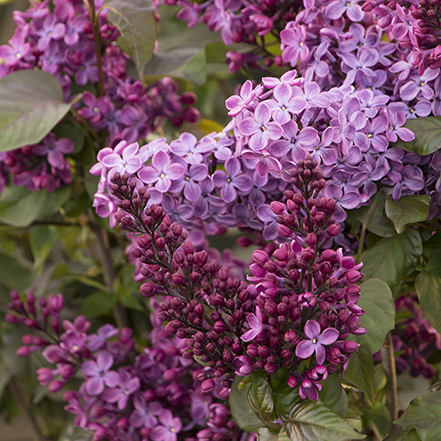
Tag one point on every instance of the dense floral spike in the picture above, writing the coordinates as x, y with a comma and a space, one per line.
156, 397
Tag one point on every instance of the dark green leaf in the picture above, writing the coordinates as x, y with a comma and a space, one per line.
374, 217
314, 421
96, 304
427, 135
381, 418
31, 104
20, 207
379, 317
360, 372
264, 434
333, 394
136, 22
260, 396
434, 264
407, 210
186, 62
428, 287
423, 413
285, 399
242, 413
380, 378
14, 275
392, 259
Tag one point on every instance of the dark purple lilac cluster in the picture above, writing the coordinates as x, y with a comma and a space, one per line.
154, 397
257, 23
59, 39
301, 299
416, 341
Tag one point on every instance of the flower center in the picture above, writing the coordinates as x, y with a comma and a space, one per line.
263, 128
314, 340
162, 175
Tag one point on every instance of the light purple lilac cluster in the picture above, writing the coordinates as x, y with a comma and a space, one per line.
153, 397
59, 39
300, 302
416, 342
366, 70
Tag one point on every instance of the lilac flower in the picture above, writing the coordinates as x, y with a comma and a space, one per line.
247, 95
162, 172
189, 148
396, 121
293, 43
244, 365
144, 415
265, 161
17, 49
98, 374
192, 191
55, 149
51, 30
98, 340
259, 128
129, 162
255, 323
419, 83
232, 181
353, 65
168, 429
124, 387
307, 347
284, 103
337, 8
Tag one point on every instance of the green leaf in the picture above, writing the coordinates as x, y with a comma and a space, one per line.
284, 400
374, 217
427, 135
381, 418
428, 288
379, 317
41, 241
20, 207
264, 434
31, 104
392, 259
242, 413
407, 210
260, 396
314, 421
333, 394
360, 371
136, 22
98, 303
14, 275
187, 62
5, 376
423, 413
434, 264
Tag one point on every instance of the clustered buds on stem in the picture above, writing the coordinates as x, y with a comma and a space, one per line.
301, 298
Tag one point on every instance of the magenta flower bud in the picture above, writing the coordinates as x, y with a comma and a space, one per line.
243, 241
270, 307
351, 346
308, 254
125, 335
280, 254
260, 257
45, 375
56, 385
330, 205
147, 289
311, 239
10, 318
275, 341
67, 372
354, 276
188, 247
223, 273
252, 350
31, 323
123, 423
329, 255
237, 348
56, 303
228, 356
30, 298
270, 368
27, 339
208, 385
286, 354
177, 278
333, 230
277, 207
292, 381
100, 433
219, 326
284, 231
23, 351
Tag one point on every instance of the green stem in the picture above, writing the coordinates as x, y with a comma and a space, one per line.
388, 362
360, 242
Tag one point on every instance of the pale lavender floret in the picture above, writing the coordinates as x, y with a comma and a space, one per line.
322, 152
232, 181
284, 103
188, 182
370, 104
255, 322
317, 66
169, 428
353, 66
337, 8
244, 365
313, 95
129, 163
153, 147
17, 49
162, 172
265, 214
259, 128
293, 43
98, 375
263, 160
419, 84
290, 78
316, 341
120, 393
247, 96
395, 130
183, 214
188, 148
144, 414
376, 129
75, 27
358, 39
136, 121
51, 30
98, 340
